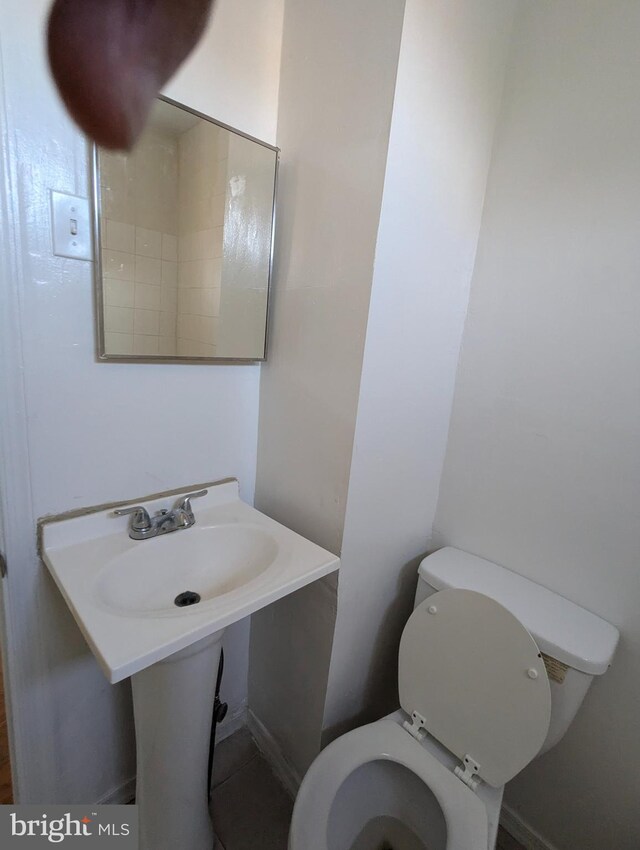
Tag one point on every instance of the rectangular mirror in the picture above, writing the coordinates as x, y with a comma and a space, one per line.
183, 233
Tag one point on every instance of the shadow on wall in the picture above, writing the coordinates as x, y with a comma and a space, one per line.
601, 719
380, 694
98, 704
286, 216
6, 789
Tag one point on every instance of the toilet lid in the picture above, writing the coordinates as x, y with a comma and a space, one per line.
474, 673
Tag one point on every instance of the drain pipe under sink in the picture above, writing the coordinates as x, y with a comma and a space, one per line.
219, 713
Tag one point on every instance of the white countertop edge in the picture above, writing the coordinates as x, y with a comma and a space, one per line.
77, 529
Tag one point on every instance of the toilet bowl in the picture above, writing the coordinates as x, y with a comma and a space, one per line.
377, 788
481, 695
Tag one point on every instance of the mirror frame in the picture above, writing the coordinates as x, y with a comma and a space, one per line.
98, 294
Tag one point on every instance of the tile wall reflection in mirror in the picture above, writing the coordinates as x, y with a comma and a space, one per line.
184, 227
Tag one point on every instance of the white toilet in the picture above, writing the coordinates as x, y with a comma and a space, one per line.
492, 671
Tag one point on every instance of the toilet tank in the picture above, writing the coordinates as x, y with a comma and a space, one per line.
576, 645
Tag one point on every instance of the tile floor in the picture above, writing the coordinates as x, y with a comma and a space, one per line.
251, 808
507, 842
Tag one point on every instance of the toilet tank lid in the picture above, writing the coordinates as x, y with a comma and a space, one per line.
561, 628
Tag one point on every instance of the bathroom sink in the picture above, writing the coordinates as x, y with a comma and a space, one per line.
215, 560
139, 601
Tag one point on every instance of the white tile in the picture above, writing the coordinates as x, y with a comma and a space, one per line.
167, 346
217, 242
188, 273
168, 323
218, 203
146, 345
200, 328
148, 270
213, 273
115, 343
207, 329
118, 319
185, 218
169, 247
209, 273
187, 327
188, 348
118, 293
206, 349
194, 348
118, 265
147, 322
169, 273
119, 236
186, 244
148, 242
169, 299
189, 301
148, 296
210, 302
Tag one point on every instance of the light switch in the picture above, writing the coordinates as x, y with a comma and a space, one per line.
71, 226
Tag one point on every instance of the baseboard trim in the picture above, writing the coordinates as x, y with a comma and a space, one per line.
272, 752
120, 795
522, 831
232, 722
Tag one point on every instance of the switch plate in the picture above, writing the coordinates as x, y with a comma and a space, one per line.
71, 227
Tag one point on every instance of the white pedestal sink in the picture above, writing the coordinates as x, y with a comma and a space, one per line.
172, 703
122, 591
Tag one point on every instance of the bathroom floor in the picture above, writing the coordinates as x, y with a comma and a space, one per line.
507, 842
252, 810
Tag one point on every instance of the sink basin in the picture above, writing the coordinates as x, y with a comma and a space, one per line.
146, 580
122, 592
155, 610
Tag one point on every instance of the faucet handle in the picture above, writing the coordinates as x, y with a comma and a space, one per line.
140, 521
184, 503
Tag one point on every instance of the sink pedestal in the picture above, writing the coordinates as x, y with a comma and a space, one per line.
122, 592
173, 706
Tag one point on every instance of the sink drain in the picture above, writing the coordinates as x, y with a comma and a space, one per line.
186, 598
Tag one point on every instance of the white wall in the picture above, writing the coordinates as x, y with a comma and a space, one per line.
139, 213
543, 470
234, 73
448, 93
77, 432
336, 94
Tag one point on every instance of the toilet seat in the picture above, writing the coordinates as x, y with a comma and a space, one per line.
464, 812
471, 675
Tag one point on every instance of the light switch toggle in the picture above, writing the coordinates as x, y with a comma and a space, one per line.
71, 228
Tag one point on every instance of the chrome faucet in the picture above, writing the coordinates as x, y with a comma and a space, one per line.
143, 526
